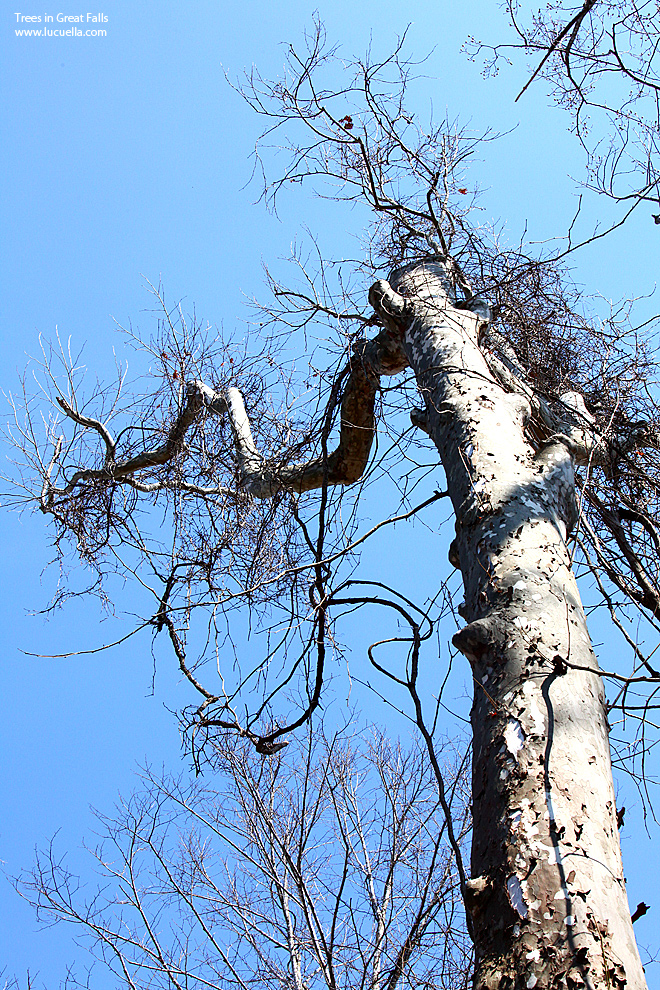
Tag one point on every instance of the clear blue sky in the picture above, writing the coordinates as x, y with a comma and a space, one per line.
127, 155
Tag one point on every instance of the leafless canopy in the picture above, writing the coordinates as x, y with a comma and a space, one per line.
230, 487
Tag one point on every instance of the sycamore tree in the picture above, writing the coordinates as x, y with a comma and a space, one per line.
230, 484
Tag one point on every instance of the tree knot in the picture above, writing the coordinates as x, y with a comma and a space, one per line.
390, 305
474, 639
476, 893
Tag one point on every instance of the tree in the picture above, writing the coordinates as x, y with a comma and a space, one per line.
546, 427
327, 870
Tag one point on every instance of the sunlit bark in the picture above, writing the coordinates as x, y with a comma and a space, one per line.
547, 898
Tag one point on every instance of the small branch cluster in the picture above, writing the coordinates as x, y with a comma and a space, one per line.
601, 64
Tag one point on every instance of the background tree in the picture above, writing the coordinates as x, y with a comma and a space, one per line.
330, 869
473, 378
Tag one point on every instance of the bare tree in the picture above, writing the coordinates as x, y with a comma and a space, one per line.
219, 490
329, 869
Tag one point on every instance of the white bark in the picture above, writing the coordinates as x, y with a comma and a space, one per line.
547, 898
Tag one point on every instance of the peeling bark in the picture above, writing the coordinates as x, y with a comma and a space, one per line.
547, 898
343, 466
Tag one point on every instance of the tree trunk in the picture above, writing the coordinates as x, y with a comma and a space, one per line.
547, 895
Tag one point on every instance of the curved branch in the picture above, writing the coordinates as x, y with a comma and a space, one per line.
347, 463
198, 397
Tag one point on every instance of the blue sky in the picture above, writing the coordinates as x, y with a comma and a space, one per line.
127, 156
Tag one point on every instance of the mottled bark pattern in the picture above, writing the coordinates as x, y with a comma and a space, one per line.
547, 898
